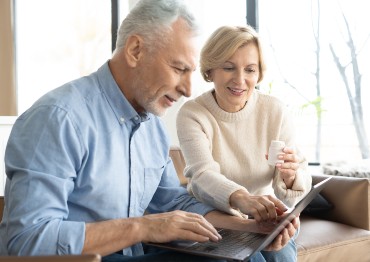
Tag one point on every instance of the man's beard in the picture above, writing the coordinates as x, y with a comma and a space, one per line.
154, 108
149, 104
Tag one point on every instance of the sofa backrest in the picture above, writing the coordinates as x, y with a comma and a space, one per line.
179, 163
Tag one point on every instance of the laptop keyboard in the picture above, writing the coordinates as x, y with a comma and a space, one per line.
232, 242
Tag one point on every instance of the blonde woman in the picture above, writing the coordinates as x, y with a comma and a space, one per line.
225, 134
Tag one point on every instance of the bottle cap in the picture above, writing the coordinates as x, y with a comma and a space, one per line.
277, 143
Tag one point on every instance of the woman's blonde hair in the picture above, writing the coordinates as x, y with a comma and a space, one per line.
223, 43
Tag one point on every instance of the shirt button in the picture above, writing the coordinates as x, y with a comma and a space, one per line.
122, 119
136, 118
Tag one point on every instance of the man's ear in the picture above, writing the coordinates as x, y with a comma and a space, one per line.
134, 49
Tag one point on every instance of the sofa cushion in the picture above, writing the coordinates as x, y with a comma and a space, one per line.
317, 206
322, 240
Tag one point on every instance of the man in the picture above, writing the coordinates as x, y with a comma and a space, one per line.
88, 159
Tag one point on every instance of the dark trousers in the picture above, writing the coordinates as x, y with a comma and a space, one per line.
153, 254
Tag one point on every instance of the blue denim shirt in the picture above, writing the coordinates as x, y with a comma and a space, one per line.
81, 154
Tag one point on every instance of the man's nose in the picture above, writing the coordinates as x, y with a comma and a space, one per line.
185, 85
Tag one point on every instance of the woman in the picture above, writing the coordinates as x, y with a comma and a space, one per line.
225, 133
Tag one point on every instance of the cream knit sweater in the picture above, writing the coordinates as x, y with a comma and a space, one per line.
225, 152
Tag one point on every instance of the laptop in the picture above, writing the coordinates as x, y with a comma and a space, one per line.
239, 245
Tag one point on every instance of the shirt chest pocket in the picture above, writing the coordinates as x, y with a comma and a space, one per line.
152, 178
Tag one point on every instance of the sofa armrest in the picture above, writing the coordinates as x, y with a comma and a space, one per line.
350, 198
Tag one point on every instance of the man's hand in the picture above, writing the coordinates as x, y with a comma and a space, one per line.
262, 208
165, 227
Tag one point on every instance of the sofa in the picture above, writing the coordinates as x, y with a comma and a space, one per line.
339, 233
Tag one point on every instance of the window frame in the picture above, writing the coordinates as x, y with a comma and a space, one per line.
8, 98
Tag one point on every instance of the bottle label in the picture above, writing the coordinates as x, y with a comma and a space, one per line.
275, 149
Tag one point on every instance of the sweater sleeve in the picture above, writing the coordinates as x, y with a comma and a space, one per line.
195, 131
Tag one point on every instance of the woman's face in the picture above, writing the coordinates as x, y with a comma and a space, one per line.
236, 78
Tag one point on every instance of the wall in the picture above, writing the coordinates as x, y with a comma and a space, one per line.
8, 99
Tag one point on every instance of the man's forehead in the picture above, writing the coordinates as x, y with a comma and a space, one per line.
181, 47
182, 53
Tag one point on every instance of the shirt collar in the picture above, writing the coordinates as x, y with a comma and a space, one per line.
122, 109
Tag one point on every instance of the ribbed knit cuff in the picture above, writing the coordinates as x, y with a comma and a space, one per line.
222, 196
291, 196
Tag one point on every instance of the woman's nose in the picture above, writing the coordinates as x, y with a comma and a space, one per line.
239, 77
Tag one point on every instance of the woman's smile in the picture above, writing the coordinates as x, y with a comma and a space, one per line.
236, 91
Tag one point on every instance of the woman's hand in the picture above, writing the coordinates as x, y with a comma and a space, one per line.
262, 208
288, 169
284, 237
223, 220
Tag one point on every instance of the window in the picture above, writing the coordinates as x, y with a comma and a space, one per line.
53, 48
57, 41
307, 44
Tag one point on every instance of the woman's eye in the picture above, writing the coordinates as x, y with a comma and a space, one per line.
250, 70
228, 68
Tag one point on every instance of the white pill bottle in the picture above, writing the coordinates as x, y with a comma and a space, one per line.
275, 149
